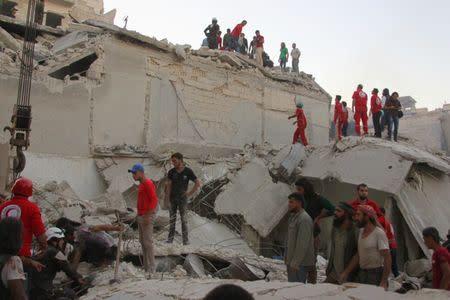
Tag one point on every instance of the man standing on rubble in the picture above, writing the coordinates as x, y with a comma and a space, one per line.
376, 111
146, 208
177, 194
227, 40
295, 55
337, 117
235, 34
362, 199
20, 207
373, 257
440, 259
317, 207
359, 107
299, 257
259, 48
344, 243
211, 34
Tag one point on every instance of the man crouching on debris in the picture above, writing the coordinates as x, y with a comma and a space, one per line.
55, 260
177, 192
299, 257
146, 207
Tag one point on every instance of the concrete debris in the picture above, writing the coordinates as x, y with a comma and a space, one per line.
194, 266
73, 39
261, 290
254, 195
9, 41
417, 268
181, 51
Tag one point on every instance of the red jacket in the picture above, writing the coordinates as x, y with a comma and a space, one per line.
387, 226
147, 198
375, 104
259, 41
360, 100
301, 118
219, 41
237, 30
337, 111
30, 215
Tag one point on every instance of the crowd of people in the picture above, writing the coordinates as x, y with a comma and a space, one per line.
385, 111
363, 245
235, 40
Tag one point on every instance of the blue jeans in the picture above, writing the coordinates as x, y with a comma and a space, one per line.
392, 120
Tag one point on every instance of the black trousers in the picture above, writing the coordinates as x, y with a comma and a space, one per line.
178, 205
376, 118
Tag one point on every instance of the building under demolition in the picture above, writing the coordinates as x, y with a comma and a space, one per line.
104, 98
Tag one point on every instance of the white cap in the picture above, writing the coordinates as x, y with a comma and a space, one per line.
54, 232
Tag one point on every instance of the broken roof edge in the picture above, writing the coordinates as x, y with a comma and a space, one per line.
39, 27
407, 151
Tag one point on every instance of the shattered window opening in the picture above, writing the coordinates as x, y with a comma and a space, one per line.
79, 67
53, 19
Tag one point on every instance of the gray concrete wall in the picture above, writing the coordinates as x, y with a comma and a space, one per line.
148, 98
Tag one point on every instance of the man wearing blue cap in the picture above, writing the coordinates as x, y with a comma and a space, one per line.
146, 206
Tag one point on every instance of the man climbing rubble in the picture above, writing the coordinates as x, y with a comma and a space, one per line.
344, 244
235, 34
19, 207
373, 257
301, 124
55, 260
177, 194
211, 34
359, 107
317, 207
299, 257
146, 208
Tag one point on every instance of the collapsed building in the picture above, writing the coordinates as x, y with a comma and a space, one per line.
105, 98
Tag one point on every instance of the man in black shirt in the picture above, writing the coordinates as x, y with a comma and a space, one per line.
177, 194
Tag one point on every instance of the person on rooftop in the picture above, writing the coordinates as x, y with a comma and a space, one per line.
235, 34
211, 34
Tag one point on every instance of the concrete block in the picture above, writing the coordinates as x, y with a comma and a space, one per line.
9, 41
70, 40
194, 266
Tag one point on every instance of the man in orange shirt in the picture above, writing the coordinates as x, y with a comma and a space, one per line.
146, 208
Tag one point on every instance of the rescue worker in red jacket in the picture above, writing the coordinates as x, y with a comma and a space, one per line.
20, 207
359, 107
338, 110
375, 110
301, 125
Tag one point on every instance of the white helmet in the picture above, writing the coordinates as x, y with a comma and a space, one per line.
54, 232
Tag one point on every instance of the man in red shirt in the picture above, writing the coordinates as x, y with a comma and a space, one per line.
146, 208
236, 33
390, 233
362, 199
440, 259
337, 115
375, 110
20, 207
301, 125
359, 107
259, 48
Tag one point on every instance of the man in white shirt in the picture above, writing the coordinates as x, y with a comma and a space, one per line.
295, 55
373, 257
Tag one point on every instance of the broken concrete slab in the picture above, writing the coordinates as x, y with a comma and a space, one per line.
254, 195
73, 39
230, 59
9, 41
292, 161
194, 266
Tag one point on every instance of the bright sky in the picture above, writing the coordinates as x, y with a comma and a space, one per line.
400, 44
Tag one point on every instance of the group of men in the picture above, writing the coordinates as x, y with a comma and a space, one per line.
27, 274
384, 111
363, 246
235, 40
